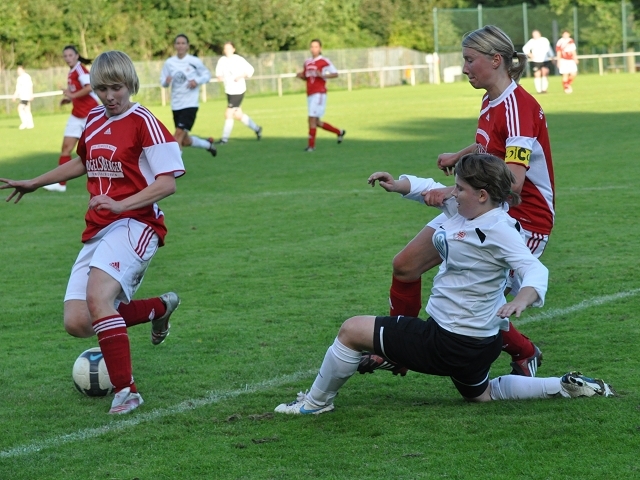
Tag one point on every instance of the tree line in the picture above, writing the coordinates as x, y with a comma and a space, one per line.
33, 32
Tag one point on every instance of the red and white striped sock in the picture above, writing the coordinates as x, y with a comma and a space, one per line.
114, 343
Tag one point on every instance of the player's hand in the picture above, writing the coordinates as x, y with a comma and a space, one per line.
513, 307
192, 84
385, 180
436, 196
104, 202
168, 80
301, 75
20, 188
446, 162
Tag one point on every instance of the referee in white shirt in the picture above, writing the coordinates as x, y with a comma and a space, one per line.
538, 50
232, 69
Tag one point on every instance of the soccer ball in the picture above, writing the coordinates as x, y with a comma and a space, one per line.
90, 375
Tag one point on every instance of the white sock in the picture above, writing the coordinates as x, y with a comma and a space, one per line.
200, 142
249, 123
545, 84
337, 367
537, 81
515, 387
226, 131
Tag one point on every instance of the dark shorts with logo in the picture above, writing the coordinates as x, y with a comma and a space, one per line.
426, 347
537, 66
234, 101
185, 118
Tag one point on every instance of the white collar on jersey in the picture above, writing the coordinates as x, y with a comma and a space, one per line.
508, 91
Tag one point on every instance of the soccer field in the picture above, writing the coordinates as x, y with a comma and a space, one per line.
271, 249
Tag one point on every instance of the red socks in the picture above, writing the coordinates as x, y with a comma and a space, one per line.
516, 344
61, 161
330, 128
114, 343
405, 298
312, 137
141, 311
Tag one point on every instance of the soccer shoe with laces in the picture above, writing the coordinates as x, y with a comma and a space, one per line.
527, 367
160, 326
212, 149
259, 133
125, 401
341, 135
370, 362
302, 406
577, 385
309, 149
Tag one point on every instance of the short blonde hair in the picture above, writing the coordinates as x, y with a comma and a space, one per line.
113, 67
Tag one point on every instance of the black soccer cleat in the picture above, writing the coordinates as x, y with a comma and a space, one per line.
369, 362
212, 149
341, 135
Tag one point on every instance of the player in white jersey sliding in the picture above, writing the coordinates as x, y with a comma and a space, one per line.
467, 308
185, 73
567, 57
131, 162
511, 126
539, 51
232, 69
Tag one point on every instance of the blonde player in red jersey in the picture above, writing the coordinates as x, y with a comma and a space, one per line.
315, 72
512, 126
80, 94
567, 58
131, 162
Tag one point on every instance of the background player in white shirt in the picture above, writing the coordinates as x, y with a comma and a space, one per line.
467, 309
232, 69
24, 94
131, 162
185, 73
539, 51
567, 57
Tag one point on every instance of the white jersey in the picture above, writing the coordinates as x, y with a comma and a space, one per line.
539, 48
229, 68
182, 70
419, 185
477, 256
24, 88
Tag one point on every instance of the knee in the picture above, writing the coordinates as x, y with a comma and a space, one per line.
237, 115
402, 267
349, 331
78, 326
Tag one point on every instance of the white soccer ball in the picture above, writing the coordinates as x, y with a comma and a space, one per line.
90, 374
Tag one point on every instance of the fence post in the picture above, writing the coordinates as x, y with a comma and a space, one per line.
480, 16
279, 86
349, 85
163, 96
600, 65
435, 29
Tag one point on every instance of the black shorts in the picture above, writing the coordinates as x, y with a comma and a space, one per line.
426, 347
234, 101
185, 118
24, 102
536, 66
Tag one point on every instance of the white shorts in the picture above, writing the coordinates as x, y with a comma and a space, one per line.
75, 127
317, 104
567, 66
124, 250
536, 242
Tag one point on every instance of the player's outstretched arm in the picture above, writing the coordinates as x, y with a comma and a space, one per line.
386, 181
162, 187
73, 169
446, 161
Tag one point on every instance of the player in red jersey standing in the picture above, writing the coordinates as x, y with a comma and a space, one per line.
567, 57
131, 162
83, 99
511, 126
316, 71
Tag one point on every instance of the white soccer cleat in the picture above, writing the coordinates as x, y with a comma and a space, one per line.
124, 402
302, 406
55, 187
577, 385
160, 326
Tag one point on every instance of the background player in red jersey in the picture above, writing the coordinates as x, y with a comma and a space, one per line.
131, 162
511, 126
567, 58
80, 94
316, 71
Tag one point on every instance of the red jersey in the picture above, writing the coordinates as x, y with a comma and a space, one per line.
566, 48
123, 155
314, 69
77, 78
513, 127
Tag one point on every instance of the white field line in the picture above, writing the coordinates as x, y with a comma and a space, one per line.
592, 302
186, 406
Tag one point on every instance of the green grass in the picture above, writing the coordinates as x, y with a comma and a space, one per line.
271, 249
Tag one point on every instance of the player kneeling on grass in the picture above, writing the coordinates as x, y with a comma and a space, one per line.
131, 162
461, 339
